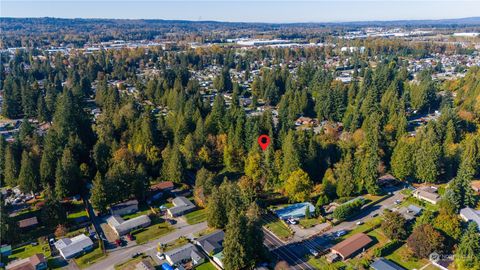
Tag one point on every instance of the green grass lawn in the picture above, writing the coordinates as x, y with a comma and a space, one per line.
29, 250
321, 263
77, 214
204, 232
310, 222
90, 258
361, 228
152, 232
206, 266
277, 227
196, 216
175, 244
401, 257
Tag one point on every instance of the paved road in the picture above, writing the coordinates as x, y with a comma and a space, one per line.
292, 253
122, 255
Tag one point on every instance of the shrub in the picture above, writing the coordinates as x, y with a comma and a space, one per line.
387, 249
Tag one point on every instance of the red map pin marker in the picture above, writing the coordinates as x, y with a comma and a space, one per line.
263, 141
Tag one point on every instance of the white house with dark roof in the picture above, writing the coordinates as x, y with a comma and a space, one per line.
122, 227
428, 194
181, 206
183, 254
470, 215
72, 247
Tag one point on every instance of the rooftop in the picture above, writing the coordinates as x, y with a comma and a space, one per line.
71, 246
181, 204
27, 263
124, 204
212, 242
121, 225
162, 186
351, 245
28, 222
471, 215
186, 252
384, 264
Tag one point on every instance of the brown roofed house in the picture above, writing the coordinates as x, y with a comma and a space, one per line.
35, 262
476, 186
162, 186
352, 245
28, 222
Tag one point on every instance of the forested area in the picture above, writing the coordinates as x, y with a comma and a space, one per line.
213, 147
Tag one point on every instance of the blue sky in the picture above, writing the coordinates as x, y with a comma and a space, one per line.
246, 11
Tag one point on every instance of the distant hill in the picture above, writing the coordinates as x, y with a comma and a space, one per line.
471, 21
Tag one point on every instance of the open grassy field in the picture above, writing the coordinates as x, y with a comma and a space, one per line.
154, 231
402, 257
206, 266
361, 228
310, 222
175, 244
276, 226
196, 216
90, 258
29, 250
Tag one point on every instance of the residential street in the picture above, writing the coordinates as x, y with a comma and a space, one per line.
292, 253
122, 255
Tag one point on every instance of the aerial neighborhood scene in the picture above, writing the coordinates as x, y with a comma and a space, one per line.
237, 135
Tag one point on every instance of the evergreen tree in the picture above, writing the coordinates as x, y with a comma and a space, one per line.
67, 175
403, 165
99, 197
467, 255
52, 212
3, 153
12, 166
427, 158
291, 157
173, 167
235, 244
216, 213
28, 177
344, 175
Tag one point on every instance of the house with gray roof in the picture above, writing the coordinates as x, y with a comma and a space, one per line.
470, 215
122, 227
124, 208
410, 212
211, 243
181, 206
72, 247
428, 194
384, 264
184, 254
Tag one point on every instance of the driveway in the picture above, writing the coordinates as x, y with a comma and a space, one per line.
122, 255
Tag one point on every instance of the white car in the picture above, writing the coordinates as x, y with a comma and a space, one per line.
359, 222
160, 256
340, 233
